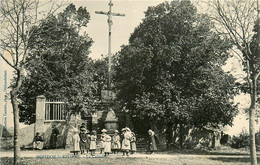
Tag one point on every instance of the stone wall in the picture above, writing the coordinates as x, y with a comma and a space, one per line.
45, 127
46, 131
27, 135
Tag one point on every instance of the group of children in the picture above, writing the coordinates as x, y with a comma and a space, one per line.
86, 141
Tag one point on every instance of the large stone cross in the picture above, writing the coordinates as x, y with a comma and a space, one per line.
110, 23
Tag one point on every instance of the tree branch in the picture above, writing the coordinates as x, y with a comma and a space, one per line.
7, 61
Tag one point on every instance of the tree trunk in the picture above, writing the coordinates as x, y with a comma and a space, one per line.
181, 134
17, 151
252, 122
13, 93
169, 133
175, 133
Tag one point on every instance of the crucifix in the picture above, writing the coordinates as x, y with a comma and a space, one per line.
110, 23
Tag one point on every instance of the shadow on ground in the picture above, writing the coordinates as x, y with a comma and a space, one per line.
225, 151
202, 152
233, 159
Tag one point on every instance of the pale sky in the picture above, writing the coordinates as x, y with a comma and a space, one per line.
122, 28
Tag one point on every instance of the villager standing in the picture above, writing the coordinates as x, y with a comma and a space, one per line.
115, 145
133, 143
88, 139
37, 141
153, 141
107, 145
126, 141
83, 140
102, 140
53, 140
214, 136
93, 142
75, 142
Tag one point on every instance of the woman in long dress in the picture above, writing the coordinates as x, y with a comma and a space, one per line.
153, 141
54, 136
75, 141
115, 145
93, 142
126, 141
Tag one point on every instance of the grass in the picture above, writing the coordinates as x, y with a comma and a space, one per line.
132, 160
224, 155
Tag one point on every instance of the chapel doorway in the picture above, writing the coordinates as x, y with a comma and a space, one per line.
87, 117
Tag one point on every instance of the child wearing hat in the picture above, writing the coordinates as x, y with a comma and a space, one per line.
83, 140
82, 126
115, 145
133, 143
102, 140
126, 141
93, 141
107, 144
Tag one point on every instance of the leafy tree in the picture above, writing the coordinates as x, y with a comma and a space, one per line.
58, 65
101, 75
238, 21
170, 73
16, 21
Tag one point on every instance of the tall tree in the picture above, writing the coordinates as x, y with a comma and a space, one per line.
17, 16
58, 64
170, 73
238, 21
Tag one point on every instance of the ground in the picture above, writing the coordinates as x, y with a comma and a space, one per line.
225, 156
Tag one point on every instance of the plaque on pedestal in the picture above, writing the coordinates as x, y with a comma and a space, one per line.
107, 95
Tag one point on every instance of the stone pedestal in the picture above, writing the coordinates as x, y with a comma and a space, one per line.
111, 126
111, 122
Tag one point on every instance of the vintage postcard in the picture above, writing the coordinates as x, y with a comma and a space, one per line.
129, 82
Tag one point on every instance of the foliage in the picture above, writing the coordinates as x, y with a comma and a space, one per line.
238, 21
16, 19
240, 141
171, 70
101, 75
58, 66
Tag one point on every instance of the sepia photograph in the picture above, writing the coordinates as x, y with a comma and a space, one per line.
142, 82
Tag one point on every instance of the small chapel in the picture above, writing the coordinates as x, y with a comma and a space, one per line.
105, 114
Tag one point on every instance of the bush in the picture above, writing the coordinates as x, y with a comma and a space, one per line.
240, 141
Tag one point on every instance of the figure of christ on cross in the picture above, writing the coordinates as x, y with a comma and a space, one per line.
110, 23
